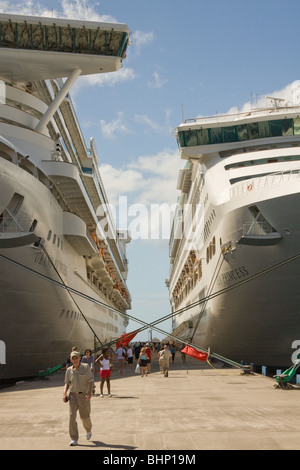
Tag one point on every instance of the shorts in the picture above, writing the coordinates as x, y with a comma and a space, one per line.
164, 364
105, 373
130, 360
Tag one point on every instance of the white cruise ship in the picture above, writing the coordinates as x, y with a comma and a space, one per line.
234, 280
62, 271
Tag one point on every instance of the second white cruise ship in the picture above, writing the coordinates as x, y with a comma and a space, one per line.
235, 244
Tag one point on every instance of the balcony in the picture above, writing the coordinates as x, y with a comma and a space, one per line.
76, 233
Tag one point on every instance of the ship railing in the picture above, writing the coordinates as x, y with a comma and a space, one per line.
262, 182
257, 229
9, 223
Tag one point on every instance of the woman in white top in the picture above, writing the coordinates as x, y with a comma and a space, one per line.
121, 355
105, 371
130, 358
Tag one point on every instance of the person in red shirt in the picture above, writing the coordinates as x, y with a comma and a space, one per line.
148, 352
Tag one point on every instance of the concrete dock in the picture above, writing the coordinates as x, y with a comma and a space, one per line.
196, 408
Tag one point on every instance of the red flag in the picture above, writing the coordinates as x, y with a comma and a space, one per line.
123, 340
201, 356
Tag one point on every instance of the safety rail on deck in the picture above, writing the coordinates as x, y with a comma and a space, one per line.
257, 229
9, 223
261, 182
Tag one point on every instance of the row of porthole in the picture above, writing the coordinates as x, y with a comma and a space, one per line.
208, 223
73, 315
55, 239
211, 250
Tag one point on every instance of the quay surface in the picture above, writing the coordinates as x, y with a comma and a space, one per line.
196, 408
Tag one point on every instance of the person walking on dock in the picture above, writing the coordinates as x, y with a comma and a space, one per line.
165, 360
79, 381
105, 371
142, 361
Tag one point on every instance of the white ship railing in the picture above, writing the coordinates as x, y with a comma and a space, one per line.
262, 182
12, 224
257, 229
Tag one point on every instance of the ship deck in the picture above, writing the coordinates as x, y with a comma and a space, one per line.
196, 408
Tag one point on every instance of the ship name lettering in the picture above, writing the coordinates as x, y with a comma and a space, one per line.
234, 275
41, 259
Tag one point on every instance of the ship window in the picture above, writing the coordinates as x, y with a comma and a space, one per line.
203, 136
297, 126
54, 238
181, 140
191, 138
242, 132
229, 134
58, 242
214, 245
264, 130
49, 235
253, 130
276, 128
216, 135
33, 225
287, 127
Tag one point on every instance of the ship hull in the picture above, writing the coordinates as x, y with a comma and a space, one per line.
254, 315
40, 320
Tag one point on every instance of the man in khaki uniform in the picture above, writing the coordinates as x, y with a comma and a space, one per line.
79, 381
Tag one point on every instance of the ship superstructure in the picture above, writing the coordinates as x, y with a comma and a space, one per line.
235, 245
59, 246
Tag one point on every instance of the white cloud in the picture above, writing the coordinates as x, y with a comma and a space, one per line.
290, 94
144, 119
121, 125
143, 194
148, 179
140, 39
73, 9
120, 181
115, 127
25, 8
78, 9
152, 125
157, 81
103, 79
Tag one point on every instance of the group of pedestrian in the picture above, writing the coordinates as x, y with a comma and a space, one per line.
124, 354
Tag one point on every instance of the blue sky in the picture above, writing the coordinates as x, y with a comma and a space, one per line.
186, 59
